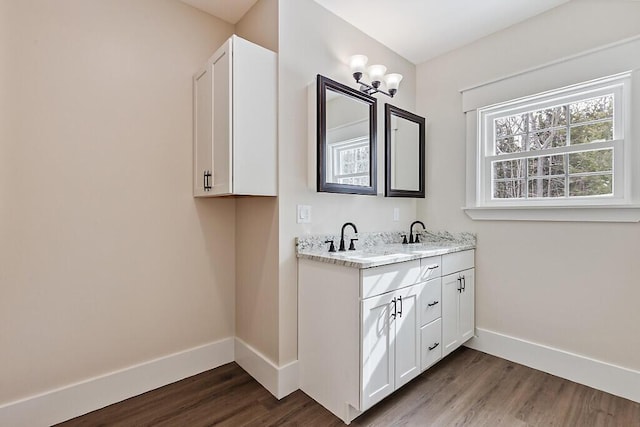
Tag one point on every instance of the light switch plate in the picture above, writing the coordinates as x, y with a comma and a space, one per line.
303, 214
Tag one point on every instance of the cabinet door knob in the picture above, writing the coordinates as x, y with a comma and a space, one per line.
431, 304
434, 346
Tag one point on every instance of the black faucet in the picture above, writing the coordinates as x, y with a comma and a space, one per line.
417, 240
351, 246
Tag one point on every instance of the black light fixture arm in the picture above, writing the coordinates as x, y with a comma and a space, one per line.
370, 89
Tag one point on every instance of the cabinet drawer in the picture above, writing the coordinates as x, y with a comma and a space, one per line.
430, 268
457, 261
431, 344
431, 301
378, 280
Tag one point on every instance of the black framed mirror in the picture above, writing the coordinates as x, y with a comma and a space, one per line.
346, 133
404, 153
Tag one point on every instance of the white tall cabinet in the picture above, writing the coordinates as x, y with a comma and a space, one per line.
234, 122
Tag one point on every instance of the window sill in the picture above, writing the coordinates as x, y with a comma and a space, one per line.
605, 213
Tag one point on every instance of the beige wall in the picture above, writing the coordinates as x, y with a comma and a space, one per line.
260, 24
572, 286
257, 225
314, 41
107, 260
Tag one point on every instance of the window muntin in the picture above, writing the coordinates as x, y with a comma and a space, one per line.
563, 147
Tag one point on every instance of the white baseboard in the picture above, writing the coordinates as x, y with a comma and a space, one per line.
603, 376
280, 381
76, 399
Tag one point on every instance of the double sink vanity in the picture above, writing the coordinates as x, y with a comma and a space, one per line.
372, 319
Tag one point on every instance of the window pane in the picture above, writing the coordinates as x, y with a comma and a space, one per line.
601, 131
546, 165
511, 144
512, 125
592, 109
591, 161
546, 187
511, 189
548, 118
509, 169
592, 185
353, 160
548, 139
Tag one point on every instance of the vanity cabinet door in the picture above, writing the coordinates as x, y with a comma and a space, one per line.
467, 305
378, 355
458, 313
407, 335
450, 310
390, 343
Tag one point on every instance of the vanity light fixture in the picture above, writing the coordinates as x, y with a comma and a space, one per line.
376, 74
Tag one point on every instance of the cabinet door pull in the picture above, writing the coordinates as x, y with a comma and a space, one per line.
207, 180
464, 283
434, 346
400, 311
395, 307
459, 284
431, 304
433, 267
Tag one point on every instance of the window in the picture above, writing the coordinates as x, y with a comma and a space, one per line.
565, 147
350, 161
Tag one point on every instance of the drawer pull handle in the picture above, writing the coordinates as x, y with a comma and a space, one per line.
434, 346
433, 267
400, 311
431, 304
395, 308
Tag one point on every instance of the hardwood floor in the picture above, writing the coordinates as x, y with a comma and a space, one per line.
468, 388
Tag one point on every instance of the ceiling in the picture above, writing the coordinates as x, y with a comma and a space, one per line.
416, 29
422, 29
227, 10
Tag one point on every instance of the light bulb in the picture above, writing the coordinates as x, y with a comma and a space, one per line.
392, 81
376, 73
358, 63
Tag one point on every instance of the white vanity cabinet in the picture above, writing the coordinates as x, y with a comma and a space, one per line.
458, 295
234, 122
365, 332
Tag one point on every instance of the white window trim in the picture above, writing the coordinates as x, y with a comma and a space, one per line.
591, 65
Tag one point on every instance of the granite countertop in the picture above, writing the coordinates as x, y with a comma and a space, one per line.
376, 249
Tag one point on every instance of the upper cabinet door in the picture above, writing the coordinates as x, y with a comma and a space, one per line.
202, 152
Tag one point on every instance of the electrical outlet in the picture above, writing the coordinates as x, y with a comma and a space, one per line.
396, 214
303, 214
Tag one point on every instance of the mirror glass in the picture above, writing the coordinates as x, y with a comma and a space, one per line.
346, 139
404, 150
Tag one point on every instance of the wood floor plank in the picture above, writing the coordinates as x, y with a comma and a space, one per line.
468, 388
